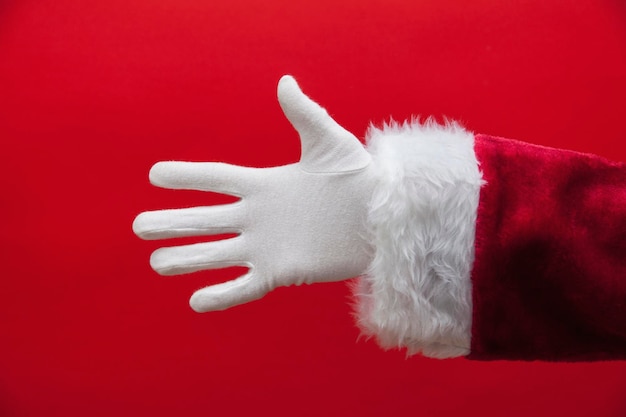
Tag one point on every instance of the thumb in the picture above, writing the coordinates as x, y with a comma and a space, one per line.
326, 145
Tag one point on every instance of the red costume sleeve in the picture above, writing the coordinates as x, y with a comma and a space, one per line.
549, 276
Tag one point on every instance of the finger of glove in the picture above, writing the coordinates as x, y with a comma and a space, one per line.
228, 294
306, 116
326, 145
195, 221
203, 176
198, 257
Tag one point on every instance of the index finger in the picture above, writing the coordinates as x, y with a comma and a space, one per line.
204, 176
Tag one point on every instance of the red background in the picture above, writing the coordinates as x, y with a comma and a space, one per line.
92, 93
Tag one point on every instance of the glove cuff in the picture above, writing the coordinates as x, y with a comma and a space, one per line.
422, 218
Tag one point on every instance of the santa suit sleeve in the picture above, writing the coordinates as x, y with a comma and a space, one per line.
493, 249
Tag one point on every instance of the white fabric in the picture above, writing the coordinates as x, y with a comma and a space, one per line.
299, 223
417, 293
403, 212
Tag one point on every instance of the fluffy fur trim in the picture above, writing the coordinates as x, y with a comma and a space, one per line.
417, 292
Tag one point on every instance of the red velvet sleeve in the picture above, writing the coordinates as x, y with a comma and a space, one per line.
549, 277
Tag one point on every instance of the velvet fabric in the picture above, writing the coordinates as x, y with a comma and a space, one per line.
549, 277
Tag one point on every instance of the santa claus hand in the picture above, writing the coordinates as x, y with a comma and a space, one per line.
299, 223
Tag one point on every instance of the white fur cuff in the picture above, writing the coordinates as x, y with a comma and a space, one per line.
417, 292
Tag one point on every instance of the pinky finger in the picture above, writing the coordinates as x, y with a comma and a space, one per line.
228, 294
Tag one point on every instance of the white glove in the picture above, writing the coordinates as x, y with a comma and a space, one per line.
298, 223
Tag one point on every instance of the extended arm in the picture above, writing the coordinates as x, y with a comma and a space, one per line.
463, 244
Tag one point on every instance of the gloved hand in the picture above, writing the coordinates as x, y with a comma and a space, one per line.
298, 223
